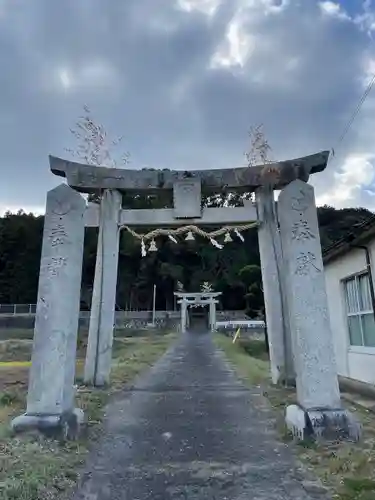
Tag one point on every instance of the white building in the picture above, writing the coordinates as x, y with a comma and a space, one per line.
349, 272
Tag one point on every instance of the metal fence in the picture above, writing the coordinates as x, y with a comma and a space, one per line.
17, 309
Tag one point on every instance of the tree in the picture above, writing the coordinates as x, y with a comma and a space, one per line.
94, 146
260, 149
231, 270
251, 276
20, 249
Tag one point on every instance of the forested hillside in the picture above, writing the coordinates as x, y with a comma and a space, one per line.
233, 270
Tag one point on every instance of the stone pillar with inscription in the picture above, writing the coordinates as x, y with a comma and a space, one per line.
51, 392
99, 348
319, 412
278, 329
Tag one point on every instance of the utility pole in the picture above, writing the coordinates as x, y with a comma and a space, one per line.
153, 307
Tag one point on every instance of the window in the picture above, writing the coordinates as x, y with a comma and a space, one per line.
361, 323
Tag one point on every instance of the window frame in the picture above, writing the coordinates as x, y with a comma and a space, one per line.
363, 348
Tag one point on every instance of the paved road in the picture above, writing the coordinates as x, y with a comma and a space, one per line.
189, 429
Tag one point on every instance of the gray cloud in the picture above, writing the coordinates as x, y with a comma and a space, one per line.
146, 68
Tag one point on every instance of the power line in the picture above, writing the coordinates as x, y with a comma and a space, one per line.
355, 113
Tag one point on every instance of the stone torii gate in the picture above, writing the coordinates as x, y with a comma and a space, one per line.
292, 272
199, 298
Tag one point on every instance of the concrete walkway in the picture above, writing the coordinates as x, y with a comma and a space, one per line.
189, 429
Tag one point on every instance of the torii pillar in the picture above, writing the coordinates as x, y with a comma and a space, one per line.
99, 347
183, 315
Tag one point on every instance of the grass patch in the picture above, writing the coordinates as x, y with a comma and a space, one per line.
8, 398
347, 469
34, 468
15, 364
255, 349
254, 372
15, 350
8, 333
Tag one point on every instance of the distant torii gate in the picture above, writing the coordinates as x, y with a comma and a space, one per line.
200, 298
292, 273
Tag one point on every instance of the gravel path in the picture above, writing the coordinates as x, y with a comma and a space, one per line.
189, 429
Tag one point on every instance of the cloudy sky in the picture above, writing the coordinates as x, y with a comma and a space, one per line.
183, 80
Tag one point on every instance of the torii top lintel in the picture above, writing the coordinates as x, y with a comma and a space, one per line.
91, 179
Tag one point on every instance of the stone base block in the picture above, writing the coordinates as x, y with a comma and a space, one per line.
63, 427
327, 424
